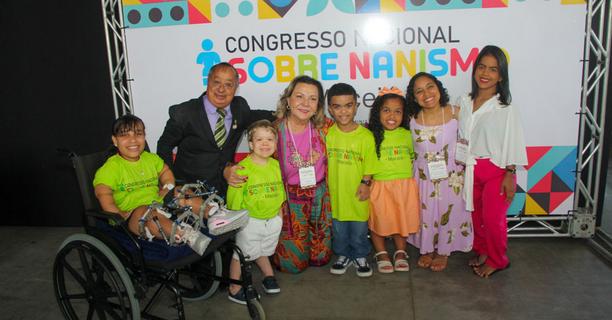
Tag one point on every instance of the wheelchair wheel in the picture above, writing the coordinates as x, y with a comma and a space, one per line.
195, 286
91, 283
256, 311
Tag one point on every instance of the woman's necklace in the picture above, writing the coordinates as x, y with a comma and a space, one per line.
295, 158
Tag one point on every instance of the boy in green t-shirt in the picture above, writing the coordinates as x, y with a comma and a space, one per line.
351, 156
263, 195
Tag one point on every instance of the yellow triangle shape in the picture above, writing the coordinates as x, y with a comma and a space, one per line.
203, 6
265, 12
130, 2
390, 6
573, 1
532, 207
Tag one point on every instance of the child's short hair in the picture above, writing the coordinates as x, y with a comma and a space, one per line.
341, 89
261, 124
127, 123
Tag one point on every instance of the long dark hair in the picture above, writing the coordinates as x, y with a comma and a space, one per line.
376, 126
503, 86
413, 106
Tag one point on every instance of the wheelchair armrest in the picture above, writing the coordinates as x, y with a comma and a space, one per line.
119, 221
115, 217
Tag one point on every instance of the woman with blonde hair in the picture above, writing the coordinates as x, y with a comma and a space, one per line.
306, 235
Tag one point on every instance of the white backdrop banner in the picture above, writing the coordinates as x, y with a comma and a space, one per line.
370, 44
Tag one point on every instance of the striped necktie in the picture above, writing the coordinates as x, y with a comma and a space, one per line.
220, 128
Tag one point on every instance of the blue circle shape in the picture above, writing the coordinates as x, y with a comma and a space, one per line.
245, 8
207, 44
222, 9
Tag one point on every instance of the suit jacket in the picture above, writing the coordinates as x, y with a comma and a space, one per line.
198, 157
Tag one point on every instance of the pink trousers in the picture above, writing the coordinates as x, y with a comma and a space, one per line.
489, 215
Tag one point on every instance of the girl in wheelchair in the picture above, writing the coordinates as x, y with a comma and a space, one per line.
129, 183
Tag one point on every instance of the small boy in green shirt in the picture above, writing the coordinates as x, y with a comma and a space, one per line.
263, 194
351, 156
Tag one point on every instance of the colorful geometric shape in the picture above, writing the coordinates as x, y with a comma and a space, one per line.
346, 6
245, 8
558, 185
264, 11
392, 5
156, 14
547, 163
573, 1
130, 2
315, 7
518, 204
222, 9
534, 204
557, 198
543, 185
534, 154
566, 169
199, 11
274, 9
415, 5
367, 6
494, 3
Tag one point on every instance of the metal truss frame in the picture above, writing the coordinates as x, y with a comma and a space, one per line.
580, 221
592, 112
112, 13
593, 106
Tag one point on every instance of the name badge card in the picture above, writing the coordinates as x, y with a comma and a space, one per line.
437, 170
461, 151
308, 178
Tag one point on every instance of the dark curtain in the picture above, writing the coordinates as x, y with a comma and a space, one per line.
56, 94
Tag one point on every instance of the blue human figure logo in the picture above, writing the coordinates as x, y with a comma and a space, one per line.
207, 59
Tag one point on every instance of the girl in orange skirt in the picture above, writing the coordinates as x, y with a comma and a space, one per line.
394, 198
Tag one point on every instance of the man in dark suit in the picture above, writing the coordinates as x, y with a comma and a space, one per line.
207, 130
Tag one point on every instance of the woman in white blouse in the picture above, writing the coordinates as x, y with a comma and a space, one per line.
493, 141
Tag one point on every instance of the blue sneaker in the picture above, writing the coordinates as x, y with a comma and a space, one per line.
270, 285
239, 297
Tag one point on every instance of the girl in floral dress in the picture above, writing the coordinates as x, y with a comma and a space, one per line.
445, 224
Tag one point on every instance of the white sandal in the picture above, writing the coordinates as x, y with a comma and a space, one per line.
401, 264
384, 266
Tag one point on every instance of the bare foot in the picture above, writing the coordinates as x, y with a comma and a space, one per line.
439, 263
425, 260
477, 261
485, 271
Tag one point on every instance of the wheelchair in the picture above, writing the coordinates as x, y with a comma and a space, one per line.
108, 273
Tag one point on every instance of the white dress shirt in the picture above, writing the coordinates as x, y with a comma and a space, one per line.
495, 132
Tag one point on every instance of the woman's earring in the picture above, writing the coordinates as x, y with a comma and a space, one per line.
288, 107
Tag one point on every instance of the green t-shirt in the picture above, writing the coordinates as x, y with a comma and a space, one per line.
350, 156
263, 194
134, 184
395, 155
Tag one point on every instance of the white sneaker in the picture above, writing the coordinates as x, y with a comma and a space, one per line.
195, 239
222, 220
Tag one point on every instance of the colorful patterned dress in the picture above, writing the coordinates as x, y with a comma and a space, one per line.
445, 224
305, 237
